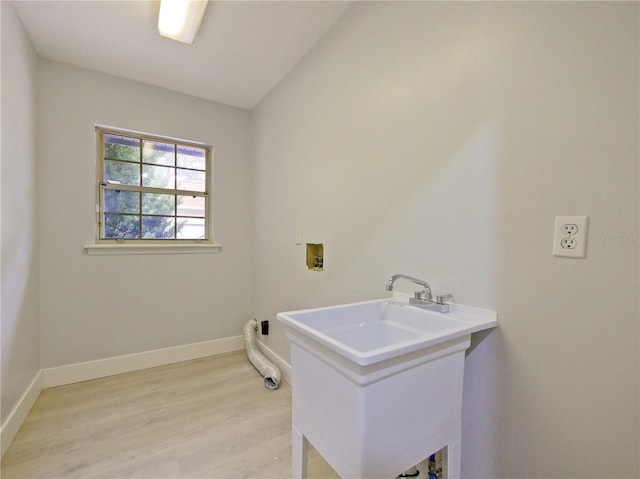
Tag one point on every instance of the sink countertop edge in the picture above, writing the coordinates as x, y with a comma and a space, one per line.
477, 318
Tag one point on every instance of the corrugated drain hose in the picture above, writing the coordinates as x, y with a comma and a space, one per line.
265, 367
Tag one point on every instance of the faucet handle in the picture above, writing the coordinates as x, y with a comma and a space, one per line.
423, 295
442, 298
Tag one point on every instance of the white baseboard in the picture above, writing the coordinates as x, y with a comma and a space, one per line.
19, 413
100, 368
285, 368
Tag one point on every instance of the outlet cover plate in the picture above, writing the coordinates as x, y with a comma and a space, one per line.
570, 230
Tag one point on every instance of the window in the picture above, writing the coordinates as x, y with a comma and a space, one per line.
152, 189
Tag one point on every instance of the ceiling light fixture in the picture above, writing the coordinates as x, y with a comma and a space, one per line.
180, 19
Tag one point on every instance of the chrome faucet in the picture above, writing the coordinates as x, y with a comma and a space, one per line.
424, 297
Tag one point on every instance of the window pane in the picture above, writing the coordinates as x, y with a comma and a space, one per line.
121, 173
191, 228
191, 205
121, 148
118, 201
158, 204
158, 227
121, 226
158, 176
140, 181
191, 157
191, 180
158, 153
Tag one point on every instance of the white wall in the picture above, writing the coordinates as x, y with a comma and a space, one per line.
440, 139
99, 307
19, 232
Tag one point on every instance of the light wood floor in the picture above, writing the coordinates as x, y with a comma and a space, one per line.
209, 418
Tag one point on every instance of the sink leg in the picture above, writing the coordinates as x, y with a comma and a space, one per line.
453, 454
299, 447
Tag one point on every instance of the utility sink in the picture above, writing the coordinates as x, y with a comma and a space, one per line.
372, 331
377, 385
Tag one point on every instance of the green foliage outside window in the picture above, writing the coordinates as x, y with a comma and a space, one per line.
134, 214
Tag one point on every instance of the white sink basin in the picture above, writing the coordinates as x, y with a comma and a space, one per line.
377, 385
373, 331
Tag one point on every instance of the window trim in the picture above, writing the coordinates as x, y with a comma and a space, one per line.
104, 246
164, 248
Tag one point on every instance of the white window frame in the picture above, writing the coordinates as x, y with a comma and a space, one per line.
107, 246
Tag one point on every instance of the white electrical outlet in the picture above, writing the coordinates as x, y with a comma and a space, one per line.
570, 236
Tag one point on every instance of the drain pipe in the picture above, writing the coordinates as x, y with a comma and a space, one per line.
265, 367
413, 472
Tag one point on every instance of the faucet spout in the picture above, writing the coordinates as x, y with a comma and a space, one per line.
424, 295
423, 298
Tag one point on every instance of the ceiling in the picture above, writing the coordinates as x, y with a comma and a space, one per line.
243, 50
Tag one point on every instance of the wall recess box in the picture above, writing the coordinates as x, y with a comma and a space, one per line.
315, 256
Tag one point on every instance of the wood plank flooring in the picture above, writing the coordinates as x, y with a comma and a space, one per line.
207, 418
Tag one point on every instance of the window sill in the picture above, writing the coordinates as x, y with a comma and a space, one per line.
120, 249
